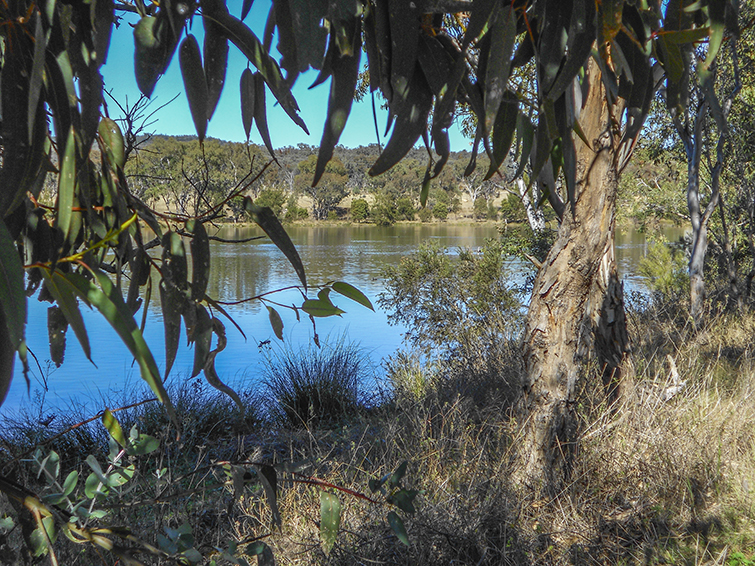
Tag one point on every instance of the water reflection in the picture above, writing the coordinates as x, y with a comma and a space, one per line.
356, 254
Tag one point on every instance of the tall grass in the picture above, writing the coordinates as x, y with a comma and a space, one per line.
315, 385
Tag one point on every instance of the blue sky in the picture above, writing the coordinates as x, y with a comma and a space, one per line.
226, 124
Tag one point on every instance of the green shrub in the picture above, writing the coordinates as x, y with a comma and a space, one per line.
315, 385
462, 316
425, 214
384, 210
332, 215
274, 198
441, 298
492, 212
480, 208
512, 209
440, 210
665, 271
294, 211
360, 210
405, 208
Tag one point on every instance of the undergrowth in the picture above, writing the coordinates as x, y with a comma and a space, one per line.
664, 477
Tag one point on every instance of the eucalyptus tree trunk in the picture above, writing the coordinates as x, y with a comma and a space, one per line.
576, 307
535, 216
699, 220
694, 143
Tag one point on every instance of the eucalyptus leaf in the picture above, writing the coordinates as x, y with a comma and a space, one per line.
500, 47
245, 7
215, 51
397, 525
269, 478
202, 336
37, 73
260, 113
276, 322
351, 292
67, 183
266, 219
247, 100
408, 127
195, 84
503, 133
330, 520
12, 297
172, 306
345, 70
200, 258
114, 428
64, 294
320, 308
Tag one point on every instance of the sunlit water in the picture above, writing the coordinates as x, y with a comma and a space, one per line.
355, 254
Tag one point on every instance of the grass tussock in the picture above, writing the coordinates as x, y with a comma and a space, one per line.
315, 384
664, 477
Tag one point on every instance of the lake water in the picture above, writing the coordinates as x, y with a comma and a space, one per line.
355, 254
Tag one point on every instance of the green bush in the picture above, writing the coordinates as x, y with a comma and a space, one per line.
441, 298
274, 198
665, 271
480, 208
332, 215
360, 210
384, 210
405, 208
512, 209
425, 214
294, 211
492, 212
462, 315
440, 210
315, 385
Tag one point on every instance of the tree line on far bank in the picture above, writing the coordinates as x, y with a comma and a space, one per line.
177, 174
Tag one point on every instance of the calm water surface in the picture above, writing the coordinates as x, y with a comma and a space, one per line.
355, 254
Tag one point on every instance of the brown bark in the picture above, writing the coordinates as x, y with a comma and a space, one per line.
576, 307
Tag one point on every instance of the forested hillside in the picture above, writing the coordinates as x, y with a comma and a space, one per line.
177, 174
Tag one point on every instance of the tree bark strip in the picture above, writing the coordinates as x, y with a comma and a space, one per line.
576, 307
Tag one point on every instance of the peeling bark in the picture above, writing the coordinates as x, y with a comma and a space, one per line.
576, 307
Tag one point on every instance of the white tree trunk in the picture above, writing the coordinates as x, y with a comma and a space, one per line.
535, 216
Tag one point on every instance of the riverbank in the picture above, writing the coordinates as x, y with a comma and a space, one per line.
663, 478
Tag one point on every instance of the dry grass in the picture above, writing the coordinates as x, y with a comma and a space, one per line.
657, 480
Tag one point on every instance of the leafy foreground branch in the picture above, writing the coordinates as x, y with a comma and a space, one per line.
138, 478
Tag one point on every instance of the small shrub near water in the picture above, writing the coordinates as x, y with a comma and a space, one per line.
360, 210
425, 214
665, 270
273, 198
405, 208
440, 210
480, 208
315, 385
